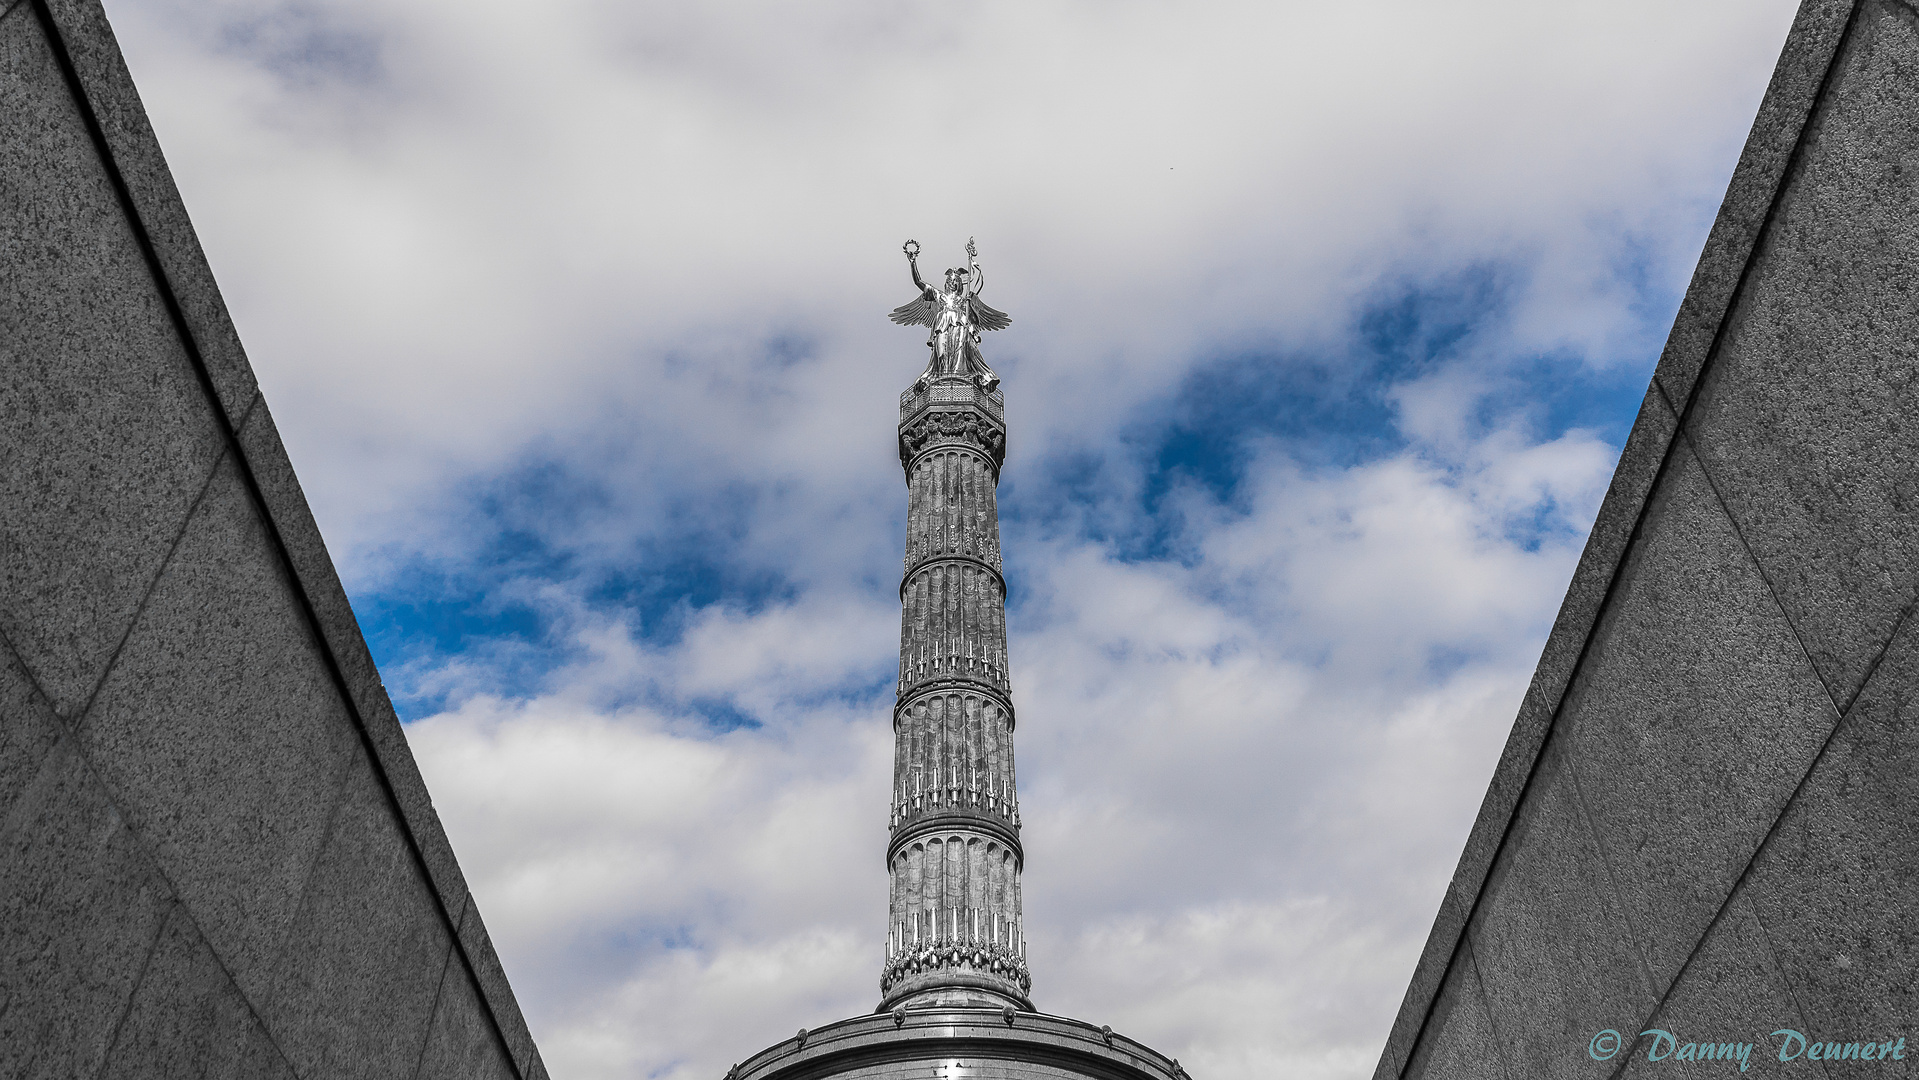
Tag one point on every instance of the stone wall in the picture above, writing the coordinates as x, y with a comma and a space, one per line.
217, 858
1706, 820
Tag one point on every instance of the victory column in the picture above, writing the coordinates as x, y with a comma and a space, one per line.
954, 987
954, 858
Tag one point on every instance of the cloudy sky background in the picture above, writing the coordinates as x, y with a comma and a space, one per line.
1329, 320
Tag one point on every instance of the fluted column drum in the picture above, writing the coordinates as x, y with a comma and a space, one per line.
954, 859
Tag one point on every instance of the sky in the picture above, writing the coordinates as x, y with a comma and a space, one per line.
1328, 323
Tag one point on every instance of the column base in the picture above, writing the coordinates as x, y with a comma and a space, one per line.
953, 990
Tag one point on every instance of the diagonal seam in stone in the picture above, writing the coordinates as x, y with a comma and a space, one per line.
433, 1013
153, 586
1791, 990
1745, 872
1485, 1006
1772, 590
1640, 938
153, 867
146, 965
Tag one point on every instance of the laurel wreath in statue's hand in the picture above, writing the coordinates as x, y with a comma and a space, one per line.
912, 249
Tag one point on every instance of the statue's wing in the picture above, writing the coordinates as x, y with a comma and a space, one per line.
917, 313
987, 318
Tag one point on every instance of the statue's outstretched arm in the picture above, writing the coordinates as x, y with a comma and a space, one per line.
913, 263
972, 263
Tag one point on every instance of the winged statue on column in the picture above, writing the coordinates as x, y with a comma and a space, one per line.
957, 317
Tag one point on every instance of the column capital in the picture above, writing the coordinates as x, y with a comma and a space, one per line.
953, 412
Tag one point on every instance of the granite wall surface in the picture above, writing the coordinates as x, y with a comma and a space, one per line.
217, 858
1706, 819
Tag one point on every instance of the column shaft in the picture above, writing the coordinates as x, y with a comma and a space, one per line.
954, 859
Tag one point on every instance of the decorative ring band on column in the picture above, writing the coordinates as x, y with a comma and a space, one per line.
975, 560
956, 821
909, 460
949, 685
